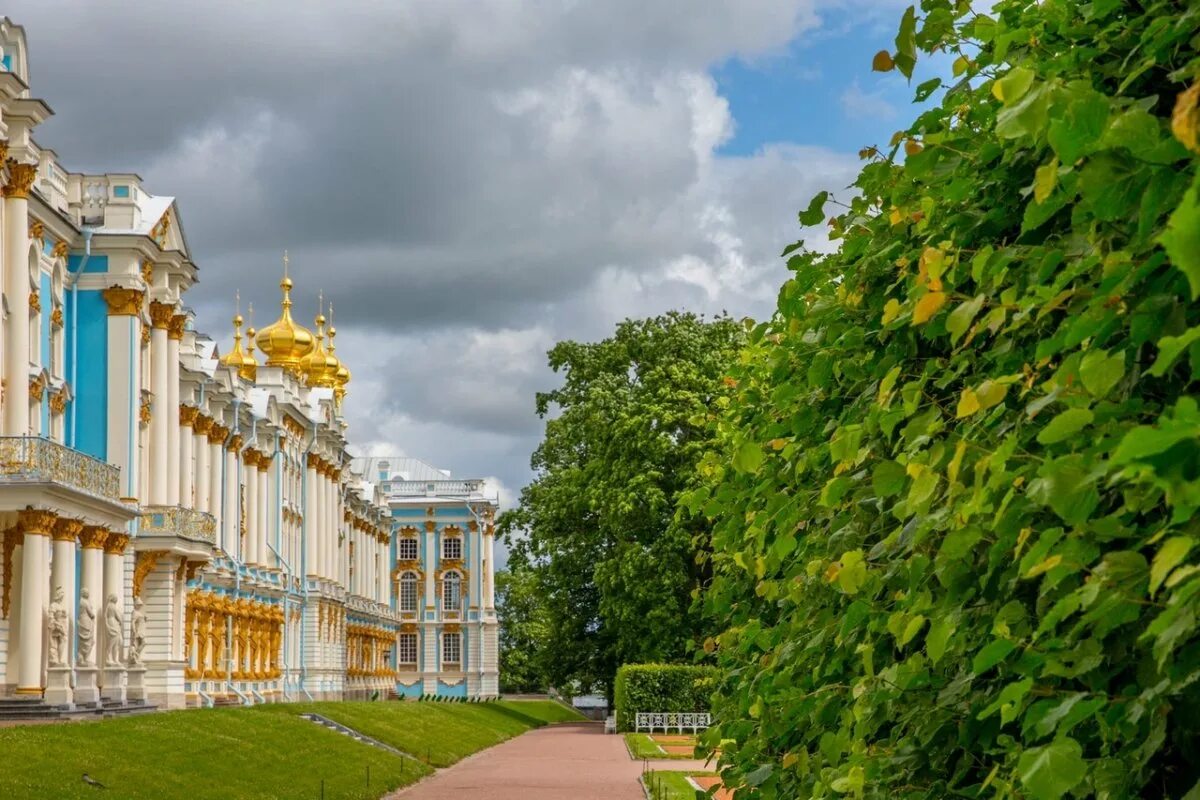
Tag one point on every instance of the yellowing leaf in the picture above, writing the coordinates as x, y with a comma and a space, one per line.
960, 65
831, 572
778, 444
1045, 180
883, 62
1045, 566
956, 462
912, 147
931, 267
891, 310
968, 404
1185, 121
896, 216
1013, 86
927, 306
981, 398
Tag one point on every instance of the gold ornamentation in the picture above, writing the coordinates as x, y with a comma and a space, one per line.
35, 301
12, 537
148, 272
202, 424
284, 342
451, 627
36, 521
145, 414
92, 537
217, 434
159, 232
175, 327
56, 317
60, 249
145, 336
160, 314
123, 302
3, 150
37, 230
115, 543
37, 386
66, 530
194, 567
147, 560
187, 415
430, 526
234, 443
58, 401
20, 179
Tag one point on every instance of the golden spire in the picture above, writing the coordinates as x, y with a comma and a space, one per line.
243, 362
284, 342
342, 375
317, 367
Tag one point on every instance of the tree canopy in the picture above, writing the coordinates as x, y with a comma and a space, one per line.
614, 567
955, 520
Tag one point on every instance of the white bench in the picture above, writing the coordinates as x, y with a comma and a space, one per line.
651, 721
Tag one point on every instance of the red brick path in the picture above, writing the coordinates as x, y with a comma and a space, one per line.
573, 761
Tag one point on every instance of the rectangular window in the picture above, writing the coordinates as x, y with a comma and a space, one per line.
406, 549
406, 649
408, 593
120, 191
452, 548
451, 648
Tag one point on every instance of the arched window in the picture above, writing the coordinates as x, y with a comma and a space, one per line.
408, 592
451, 591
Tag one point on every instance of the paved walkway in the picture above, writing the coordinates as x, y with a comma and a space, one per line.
571, 761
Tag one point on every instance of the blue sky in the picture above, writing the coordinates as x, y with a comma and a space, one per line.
820, 90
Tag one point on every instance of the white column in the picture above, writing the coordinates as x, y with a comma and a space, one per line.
310, 517
216, 473
175, 433
318, 522
200, 428
250, 487
231, 510
36, 526
160, 318
187, 417
489, 568
92, 539
16, 285
114, 586
264, 504
62, 573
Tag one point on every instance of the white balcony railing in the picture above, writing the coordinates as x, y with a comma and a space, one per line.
34, 459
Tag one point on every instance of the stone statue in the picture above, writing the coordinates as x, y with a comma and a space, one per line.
86, 628
137, 633
114, 635
59, 622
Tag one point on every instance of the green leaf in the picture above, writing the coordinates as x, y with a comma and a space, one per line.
759, 775
938, 637
853, 572
1170, 348
1100, 372
1168, 557
748, 458
1013, 86
888, 478
960, 318
1181, 239
1068, 487
1077, 123
1044, 181
1050, 772
991, 655
906, 42
815, 213
1065, 425
1144, 441
911, 629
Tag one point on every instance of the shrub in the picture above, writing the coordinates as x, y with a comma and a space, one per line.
661, 687
956, 521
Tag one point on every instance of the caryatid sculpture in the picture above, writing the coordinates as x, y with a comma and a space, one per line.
59, 629
137, 633
114, 634
86, 628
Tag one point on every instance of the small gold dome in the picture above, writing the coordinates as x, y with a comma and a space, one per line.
341, 376
318, 367
284, 342
243, 361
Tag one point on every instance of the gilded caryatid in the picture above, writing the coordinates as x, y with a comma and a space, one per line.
284, 342
241, 360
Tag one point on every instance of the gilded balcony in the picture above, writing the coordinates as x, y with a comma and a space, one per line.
179, 522
34, 459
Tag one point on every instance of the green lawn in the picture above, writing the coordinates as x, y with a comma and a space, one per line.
438, 733
664, 785
642, 746
262, 752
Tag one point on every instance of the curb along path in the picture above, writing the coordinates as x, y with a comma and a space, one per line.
573, 760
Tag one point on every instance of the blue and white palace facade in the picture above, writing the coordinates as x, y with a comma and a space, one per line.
182, 524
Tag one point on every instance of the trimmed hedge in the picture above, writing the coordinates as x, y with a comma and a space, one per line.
661, 687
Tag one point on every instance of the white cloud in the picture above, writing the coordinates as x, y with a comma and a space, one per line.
860, 104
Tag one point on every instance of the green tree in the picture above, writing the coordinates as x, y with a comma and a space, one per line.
614, 567
955, 525
522, 633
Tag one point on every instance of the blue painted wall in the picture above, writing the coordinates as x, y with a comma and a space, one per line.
91, 376
452, 691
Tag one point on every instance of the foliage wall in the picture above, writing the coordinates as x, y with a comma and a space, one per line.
661, 688
613, 568
956, 524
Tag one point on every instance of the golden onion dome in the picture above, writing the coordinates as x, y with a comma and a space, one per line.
243, 361
284, 342
318, 367
342, 375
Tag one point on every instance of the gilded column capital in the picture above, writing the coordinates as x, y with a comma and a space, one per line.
60, 249
188, 415
123, 302
490, 530
202, 424
92, 537
36, 521
161, 314
473, 526
430, 526
66, 530
175, 328
313, 461
148, 271
116, 543
36, 387
235, 442
37, 230
250, 457
20, 179
217, 434
58, 402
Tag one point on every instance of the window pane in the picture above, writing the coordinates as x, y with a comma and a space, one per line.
407, 549
452, 548
451, 592
452, 648
408, 592
406, 648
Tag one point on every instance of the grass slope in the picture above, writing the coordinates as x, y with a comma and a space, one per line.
222, 754
438, 733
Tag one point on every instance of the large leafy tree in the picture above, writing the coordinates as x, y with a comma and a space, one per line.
522, 631
955, 544
614, 567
